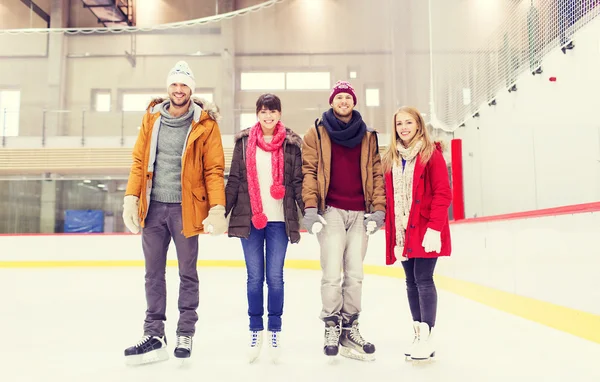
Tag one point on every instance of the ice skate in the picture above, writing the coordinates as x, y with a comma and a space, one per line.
332, 336
256, 339
275, 347
353, 344
183, 350
149, 349
412, 347
424, 351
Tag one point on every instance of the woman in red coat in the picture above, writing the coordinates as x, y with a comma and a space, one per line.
418, 196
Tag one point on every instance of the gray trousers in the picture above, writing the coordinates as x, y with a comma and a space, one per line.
343, 242
164, 222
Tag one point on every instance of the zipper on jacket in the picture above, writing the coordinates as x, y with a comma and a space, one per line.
364, 185
285, 221
322, 162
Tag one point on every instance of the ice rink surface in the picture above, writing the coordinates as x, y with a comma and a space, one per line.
72, 324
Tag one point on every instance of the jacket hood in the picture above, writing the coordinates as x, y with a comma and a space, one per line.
440, 146
290, 136
211, 109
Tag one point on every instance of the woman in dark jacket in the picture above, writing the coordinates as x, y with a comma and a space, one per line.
264, 192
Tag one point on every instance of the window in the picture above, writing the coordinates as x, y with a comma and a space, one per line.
285, 81
102, 100
372, 97
466, 93
247, 120
206, 96
308, 81
10, 101
138, 101
262, 81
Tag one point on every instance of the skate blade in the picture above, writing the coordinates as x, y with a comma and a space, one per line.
332, 360
184, 363
154, 356
275, 356
353, 354
423, 361
253, 357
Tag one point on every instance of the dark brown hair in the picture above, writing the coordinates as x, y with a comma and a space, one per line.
269, 101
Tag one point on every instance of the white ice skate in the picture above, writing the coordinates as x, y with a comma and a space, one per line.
415, 341
149, 349
256, 340
275, 348
424, 351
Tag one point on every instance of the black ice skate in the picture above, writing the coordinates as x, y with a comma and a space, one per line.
332, 335
149, 349
184, 347
353, 344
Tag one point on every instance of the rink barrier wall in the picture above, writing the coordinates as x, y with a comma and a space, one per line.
492, 262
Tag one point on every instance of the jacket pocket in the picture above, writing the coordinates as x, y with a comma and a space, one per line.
200, 206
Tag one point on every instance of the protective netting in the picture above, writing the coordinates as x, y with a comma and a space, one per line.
464, 81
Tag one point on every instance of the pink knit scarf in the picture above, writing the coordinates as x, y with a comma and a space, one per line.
275, 147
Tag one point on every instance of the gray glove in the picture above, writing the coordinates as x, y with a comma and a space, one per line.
373, 222
313, 222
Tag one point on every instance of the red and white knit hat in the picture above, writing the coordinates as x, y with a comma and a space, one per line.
342, 87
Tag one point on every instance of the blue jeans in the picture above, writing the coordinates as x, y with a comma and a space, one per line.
270, 244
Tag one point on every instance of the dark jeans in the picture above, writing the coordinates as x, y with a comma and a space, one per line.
163, 222
265, 245
422, 295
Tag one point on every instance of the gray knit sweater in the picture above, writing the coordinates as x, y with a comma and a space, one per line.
166, 184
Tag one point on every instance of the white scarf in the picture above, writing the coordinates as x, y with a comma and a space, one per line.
403, 183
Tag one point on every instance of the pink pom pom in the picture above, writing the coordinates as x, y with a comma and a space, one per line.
260, 221
277, 191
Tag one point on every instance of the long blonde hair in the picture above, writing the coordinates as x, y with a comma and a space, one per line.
391, 157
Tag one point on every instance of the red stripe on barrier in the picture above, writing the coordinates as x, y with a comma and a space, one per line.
564, 210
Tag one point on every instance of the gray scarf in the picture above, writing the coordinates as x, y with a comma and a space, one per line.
182, 121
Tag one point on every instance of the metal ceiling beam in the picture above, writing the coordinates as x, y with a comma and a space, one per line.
37, 10
112, 12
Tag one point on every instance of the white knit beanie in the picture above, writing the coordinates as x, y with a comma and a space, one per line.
182, 74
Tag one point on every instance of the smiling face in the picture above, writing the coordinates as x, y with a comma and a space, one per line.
342, 105
268, 119
268, 112
406, 127
179, 94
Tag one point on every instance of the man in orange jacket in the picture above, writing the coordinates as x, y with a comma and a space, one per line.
176, 189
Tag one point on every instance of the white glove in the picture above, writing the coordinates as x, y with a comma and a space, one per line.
371, 227
318, 226
432, 241
131, 216
374, 221
216, 222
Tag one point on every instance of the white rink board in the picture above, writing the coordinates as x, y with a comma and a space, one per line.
551, 258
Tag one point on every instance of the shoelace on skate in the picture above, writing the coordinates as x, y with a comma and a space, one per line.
184, 342
332, 335
274, 339
254, 339
356, 336
143, 341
